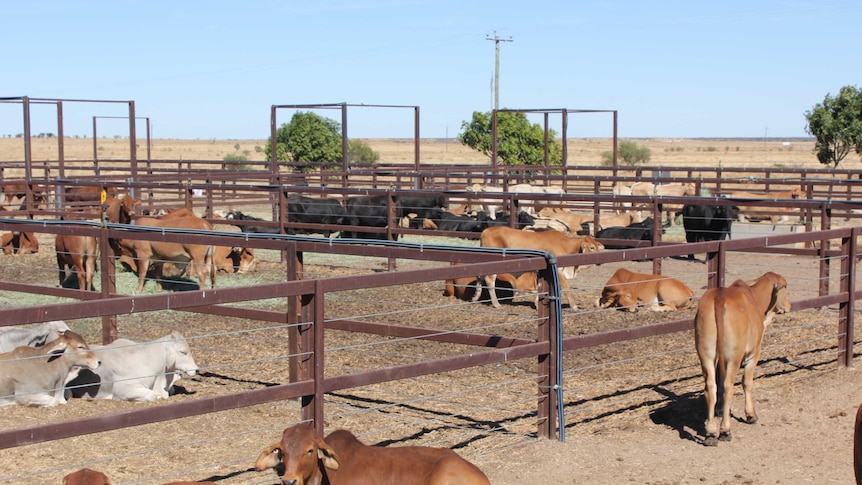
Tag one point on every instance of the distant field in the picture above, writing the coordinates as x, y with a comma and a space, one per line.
672, 152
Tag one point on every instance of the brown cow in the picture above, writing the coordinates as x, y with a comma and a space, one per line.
658, 293
199, 256
552, 241
234, 259
19, 191
85, 476
571, 219
728, 332
27, 378
464, 288
341, 459
89, 195
19, 243
857, 446
796, 193
79, 254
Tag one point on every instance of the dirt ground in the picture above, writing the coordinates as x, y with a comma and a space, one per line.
804, 434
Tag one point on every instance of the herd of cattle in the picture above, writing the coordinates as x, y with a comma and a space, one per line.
47, 364
358, 217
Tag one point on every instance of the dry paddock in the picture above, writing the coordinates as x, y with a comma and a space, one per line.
482, 412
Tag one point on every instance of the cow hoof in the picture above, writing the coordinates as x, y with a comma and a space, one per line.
751, 419
724, 436
710, 441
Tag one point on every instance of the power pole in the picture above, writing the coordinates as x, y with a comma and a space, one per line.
497, 41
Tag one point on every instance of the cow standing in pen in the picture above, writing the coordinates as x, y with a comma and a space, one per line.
728, 334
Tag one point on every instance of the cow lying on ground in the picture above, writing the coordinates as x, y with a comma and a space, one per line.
17, 242
571, 219
136, 371
234, 259
30, 335
85, 476
77, 254
35, 376
552, 241
636, 231
629, 291
341, 459
728, 333
744, 211
465, 288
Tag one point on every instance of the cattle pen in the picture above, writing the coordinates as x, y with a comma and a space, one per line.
357, 333
352, 344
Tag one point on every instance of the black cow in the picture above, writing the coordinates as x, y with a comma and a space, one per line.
421, 206
636, 231
313, 210
447, 221
234, 215
369, 211
707, 222
524, 219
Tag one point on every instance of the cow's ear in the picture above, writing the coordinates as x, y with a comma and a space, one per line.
269, 458
327, 455
57, 351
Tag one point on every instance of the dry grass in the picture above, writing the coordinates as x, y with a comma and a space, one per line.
581, 151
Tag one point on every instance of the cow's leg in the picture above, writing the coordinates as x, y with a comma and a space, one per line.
61, 269
136, 393
565, 288
143, 266
748, 387
730, 370
491, 283
710, 394
80, 273
90, 270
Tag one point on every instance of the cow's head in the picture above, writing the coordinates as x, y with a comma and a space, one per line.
179, 355
85, 476
301, 452
77, 351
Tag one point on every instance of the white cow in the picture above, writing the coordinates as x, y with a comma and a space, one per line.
30, 335
136, 371
35, 376
492, 206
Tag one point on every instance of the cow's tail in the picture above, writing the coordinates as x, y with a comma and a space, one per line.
720, 315
211, 264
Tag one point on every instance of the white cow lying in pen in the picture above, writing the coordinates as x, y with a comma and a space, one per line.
136, 371
30, 335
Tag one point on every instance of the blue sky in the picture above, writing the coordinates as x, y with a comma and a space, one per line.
213, 69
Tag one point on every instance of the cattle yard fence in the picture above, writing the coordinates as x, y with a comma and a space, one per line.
318, 343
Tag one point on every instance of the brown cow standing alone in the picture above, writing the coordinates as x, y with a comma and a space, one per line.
728, 332
341, 459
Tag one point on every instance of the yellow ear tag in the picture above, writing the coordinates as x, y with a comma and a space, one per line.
103, 196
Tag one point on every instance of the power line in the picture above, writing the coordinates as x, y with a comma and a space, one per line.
497, 41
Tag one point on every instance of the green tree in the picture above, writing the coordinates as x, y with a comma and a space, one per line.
308, 138
358, 153
629, 153
519, 142
837, 125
